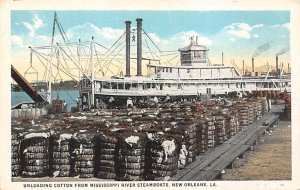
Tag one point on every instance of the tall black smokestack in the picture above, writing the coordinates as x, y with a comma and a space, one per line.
127, 48
276, 65
288, 68
139, 47
252, 64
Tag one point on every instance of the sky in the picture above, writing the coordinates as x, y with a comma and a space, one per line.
239, 34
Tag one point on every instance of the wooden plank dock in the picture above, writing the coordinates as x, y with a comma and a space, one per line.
208, 166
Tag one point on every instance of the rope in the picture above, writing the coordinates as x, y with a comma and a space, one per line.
53, 65
115, 56
70, 96
96, 64
151, 51
106, 63
151, 40
101, 45
74, 63
117, 46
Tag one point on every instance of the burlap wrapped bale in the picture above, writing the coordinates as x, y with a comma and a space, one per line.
243, 114
16, 139
84, 154
35, 155
209, 122
162, 155
61, 154
105, 152
220, 133
131, 156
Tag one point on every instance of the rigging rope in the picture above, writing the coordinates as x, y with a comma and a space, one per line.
151, 40
96, 64
115, 56
149, 49
106, 63
74, 63
38, 54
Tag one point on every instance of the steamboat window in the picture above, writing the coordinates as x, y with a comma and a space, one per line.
120, 86
188, 70
114, 86
153, 85
170, 70
179, 86
198, 54
127, 86
186, 56
105, 85
148, 85
134, 85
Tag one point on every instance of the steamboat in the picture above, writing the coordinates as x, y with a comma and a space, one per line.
194, 77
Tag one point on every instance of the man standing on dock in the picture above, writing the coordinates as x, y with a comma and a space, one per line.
79, 103
64, 106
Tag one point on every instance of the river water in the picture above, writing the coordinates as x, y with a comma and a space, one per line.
68, 95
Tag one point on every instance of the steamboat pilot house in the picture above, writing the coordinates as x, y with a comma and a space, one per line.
195, 65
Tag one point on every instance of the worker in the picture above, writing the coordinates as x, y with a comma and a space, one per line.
129, 103
97, 103
64, 106
168, 99
79, 103
269, 104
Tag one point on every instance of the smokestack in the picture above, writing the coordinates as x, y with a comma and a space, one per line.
252, 64
139, 46
127, 48
222, 59
243, 67
276, 65
288, 68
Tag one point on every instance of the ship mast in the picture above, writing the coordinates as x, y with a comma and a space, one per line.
79, 59
50, 76
92, 74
